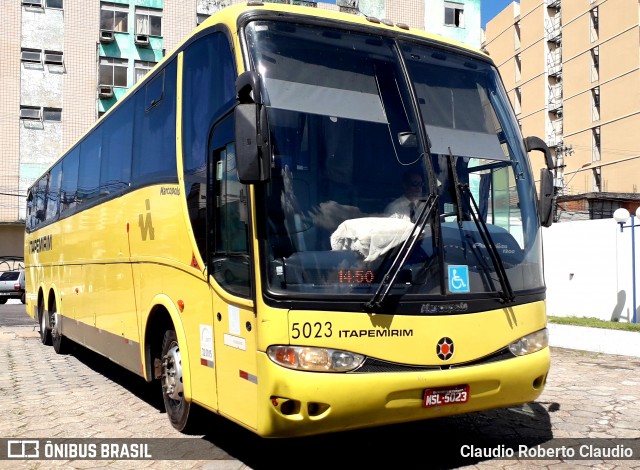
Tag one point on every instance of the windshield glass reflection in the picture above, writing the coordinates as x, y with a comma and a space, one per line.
349, 174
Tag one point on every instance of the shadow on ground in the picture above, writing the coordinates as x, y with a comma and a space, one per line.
433, 444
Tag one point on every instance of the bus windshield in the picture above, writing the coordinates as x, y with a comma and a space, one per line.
363, 129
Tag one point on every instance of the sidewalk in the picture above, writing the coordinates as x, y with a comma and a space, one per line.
624, 343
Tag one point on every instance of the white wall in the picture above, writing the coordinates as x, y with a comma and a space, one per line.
588, 269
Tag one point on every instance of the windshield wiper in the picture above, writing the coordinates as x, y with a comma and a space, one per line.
456, 187
377, 301
506, 294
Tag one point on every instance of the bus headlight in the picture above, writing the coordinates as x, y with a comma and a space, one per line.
314, 359
530, 343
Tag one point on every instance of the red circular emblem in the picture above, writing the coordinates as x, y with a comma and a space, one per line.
444, 348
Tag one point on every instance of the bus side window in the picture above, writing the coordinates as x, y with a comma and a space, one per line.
229, 214
208, 89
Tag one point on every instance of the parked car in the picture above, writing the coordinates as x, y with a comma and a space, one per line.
12, 286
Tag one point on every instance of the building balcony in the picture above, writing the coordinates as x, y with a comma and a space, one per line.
555, 104
553, 30
555, 69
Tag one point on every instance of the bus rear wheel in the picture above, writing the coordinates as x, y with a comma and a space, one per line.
181, 413
59, 341
45, 333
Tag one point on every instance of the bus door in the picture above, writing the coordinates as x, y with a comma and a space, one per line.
230, 268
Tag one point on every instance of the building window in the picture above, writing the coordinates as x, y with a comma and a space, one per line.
52, 114
114, 17
516, 36
596, 145
201, 18
36, 113
517, 104
54, 4
148, 21
595, 64
454, 14
595, 26
597, 179
53, 57
595, 103
113, 71
518, 67
31, 113
141, 69
31, 55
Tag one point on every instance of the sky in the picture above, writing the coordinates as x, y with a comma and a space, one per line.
490, 8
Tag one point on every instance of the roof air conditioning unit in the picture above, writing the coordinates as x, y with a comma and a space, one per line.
34, 114
105, 92
142, 40
106, 36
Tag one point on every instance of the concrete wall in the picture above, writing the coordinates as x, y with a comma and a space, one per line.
588, 269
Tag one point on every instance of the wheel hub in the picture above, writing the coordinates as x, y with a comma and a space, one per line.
172, 374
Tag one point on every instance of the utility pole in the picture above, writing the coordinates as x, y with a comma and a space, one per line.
562, 151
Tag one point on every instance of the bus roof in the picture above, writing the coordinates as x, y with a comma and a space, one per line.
229, 15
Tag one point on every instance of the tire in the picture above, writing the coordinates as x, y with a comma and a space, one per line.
45, 333
59, 342
3, 301
23, 298
182, 414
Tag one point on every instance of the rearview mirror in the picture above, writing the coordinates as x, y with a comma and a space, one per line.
252, 143
546, 197
545, 200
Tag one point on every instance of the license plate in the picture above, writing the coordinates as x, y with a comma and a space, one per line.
445, 396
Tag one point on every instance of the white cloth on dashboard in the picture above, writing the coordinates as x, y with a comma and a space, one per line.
372, 237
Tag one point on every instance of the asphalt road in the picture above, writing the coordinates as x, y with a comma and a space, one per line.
82, 395
13, 314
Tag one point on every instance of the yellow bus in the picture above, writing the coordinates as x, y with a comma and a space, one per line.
226, 230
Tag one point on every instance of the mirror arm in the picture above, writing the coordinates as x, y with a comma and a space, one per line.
536, 143
248, 88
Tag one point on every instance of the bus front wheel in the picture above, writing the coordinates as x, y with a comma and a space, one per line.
181, 413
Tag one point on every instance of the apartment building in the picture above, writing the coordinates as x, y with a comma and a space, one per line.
571, 68
66, 62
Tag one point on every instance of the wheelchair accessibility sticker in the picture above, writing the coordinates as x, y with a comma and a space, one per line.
458, 278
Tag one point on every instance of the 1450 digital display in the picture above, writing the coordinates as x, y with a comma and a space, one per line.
355, 276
